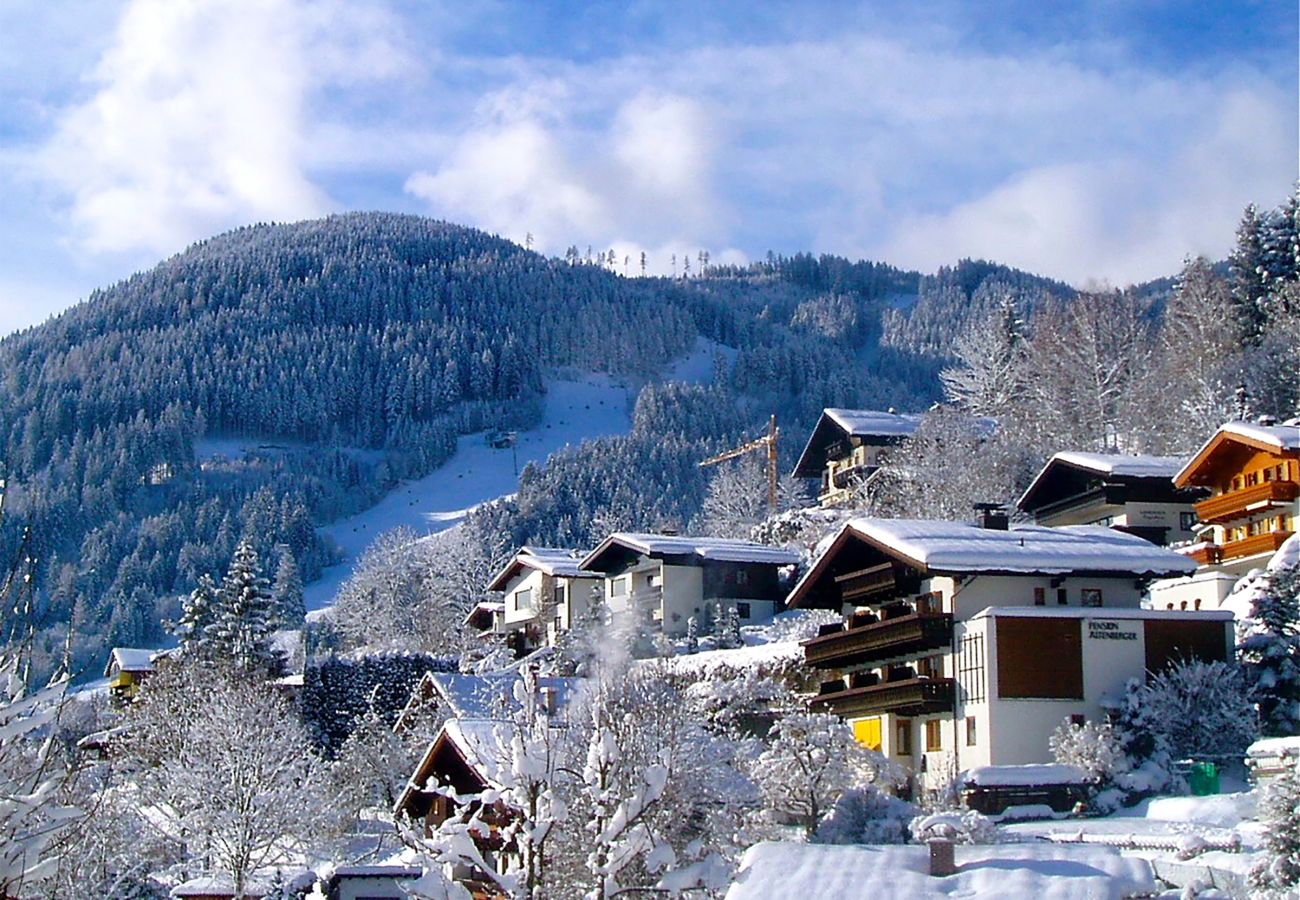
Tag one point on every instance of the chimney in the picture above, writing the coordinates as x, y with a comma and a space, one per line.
992, 516
1267, 420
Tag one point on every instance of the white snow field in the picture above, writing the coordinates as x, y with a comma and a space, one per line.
779, 871
575, 411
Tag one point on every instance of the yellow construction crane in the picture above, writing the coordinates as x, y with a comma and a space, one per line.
769, 441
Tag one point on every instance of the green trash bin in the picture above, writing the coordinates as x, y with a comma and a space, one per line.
1203, 779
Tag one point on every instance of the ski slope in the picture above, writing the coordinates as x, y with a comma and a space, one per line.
576, 410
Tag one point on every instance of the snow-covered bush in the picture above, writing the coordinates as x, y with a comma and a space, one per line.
812, 759
1191, 710
866, 815
1094, 749
958, 826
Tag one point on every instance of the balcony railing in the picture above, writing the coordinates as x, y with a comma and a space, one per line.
914, 633
1238, 504
1213, 554
912, 697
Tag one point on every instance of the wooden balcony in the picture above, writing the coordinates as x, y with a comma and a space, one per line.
914, 633
911, 697
1242, 503
1214, 554
1259, 543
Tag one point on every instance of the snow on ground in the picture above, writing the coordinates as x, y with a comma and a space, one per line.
778, 871
575, 411
768, 645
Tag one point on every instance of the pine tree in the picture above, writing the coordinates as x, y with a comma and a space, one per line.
1270, 652
287, 596
1278, 872
242, 628
692, 635
1247, 260
198, 613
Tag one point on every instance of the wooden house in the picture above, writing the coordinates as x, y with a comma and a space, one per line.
1136, 494
667, 579
965, 646
545, 592
847, 446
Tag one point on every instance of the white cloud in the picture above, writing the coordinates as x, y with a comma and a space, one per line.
199, 117
531, 165
865, 145
1119, 220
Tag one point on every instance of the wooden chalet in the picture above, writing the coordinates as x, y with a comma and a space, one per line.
126, 670
1252, 474
848, 445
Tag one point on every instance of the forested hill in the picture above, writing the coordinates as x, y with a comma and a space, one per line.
359, 347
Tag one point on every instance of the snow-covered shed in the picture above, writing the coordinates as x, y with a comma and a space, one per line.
669, 579
973, 644
1133, 493
545, 592
216, 887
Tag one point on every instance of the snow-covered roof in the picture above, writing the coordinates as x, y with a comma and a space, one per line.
492, 696
1135, 466
132, 659
874, 422
1284, 438
702, 548
1032, 775
1043, 871
940, 546
1276, 747
209, 885
484, 744
554, 561
378, 872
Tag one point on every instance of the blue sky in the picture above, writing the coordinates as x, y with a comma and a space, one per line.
1093, 142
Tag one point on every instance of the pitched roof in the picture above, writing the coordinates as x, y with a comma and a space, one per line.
834, 424
940, 547
1283, 438
552, 561
702, 548
1105, 465
493, 696
131, 659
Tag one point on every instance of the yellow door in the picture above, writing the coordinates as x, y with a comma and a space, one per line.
867, 732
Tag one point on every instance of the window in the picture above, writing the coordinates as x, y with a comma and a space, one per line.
524, 599
618, 587
933, 735
1187, 521
1077, 720
742, 577
970, 731
1252, 479
970, 668
742, 610
1090, 597
1061, 599
1040, 596
903, 744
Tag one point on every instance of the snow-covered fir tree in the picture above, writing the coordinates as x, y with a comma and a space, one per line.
245, 618
286, 591
1269, 649
1278, 874
198, 613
